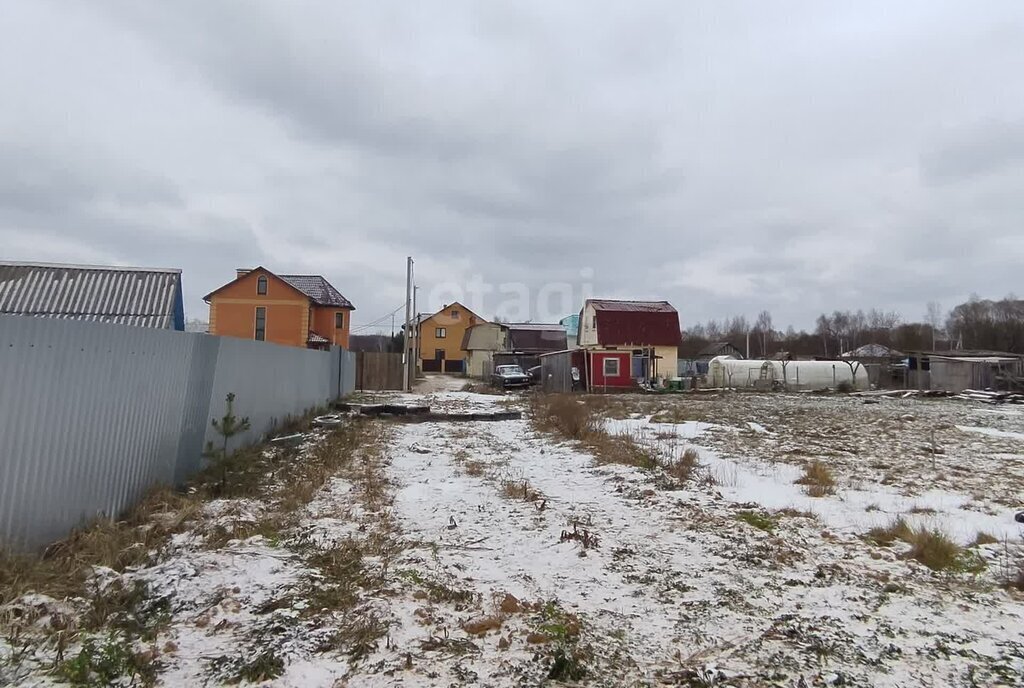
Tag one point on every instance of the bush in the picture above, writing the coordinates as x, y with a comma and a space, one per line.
817, 480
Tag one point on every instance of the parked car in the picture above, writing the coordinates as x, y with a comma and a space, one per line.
506, 376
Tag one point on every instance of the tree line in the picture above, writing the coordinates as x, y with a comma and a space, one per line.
975, 324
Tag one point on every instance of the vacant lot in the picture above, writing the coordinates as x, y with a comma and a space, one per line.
732, 540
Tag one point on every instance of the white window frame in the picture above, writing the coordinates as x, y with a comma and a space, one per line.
604, 366
440, 333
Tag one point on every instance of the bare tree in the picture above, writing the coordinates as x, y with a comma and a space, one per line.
933, 316
764, 329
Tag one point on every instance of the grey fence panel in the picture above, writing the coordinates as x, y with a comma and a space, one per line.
346, 372
269, 381
196, 412
93, 414
90, 417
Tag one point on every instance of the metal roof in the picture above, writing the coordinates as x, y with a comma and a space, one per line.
536, 337
640, 323
318, 289
144, 297
631, 306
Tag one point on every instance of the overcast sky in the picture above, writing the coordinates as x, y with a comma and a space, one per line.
728, 157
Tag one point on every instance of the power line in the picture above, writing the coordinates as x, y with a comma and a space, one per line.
379, 321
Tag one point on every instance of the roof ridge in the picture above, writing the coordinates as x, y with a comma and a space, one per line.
84, 266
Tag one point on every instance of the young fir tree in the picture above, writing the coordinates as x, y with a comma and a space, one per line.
227, 426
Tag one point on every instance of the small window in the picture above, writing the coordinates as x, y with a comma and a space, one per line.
455, 314
261, 285
611, 367
261, 324
339, 320
593, 322
440, 332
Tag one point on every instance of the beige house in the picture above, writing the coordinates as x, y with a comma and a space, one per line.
648, 331
480, 342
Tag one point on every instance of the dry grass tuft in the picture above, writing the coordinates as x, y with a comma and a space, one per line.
475, 468
899, 529
518, 487
683, 468
817, 480
566, 415
930, 546
983, 538
934, 549
625, 449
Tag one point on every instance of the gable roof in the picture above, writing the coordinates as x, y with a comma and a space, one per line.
423, 317
716, 349
319, 290
143, 297
314, 287
642, 323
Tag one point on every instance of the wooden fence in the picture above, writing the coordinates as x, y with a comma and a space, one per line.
377, 371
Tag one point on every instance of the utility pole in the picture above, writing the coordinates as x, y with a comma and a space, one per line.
415, 332
407, 384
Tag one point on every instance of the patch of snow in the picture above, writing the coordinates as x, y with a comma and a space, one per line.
991, 432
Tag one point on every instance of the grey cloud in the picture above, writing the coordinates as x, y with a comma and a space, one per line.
807, 157
985, 148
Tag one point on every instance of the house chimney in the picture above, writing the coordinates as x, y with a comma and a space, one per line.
242, 272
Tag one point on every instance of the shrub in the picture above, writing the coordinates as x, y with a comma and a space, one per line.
817, 479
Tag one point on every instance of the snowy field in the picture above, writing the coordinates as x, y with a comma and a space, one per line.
494, 554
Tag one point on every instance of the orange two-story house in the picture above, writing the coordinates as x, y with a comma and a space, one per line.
295, 310
440, 338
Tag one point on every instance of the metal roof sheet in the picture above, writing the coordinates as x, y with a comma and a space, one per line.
318, 289
536, 338
631, 306
128, 296
641, 323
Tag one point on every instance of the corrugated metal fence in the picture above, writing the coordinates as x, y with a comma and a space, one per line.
92, 414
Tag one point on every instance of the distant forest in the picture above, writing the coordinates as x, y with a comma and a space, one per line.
976, 324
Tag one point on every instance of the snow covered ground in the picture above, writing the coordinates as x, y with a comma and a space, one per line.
493, 554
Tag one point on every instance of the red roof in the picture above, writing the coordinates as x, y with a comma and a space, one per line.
643, 323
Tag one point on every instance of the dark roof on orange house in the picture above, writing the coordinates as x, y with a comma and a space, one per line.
315, 287
319, 290
648, 323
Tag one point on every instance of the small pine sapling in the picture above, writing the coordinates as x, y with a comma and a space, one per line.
227, 426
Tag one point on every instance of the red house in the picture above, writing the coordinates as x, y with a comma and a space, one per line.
626, 341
